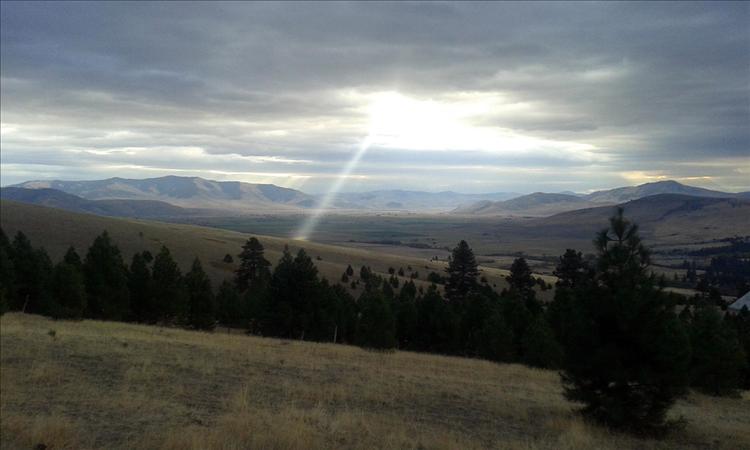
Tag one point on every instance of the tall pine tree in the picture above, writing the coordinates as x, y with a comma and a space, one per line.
253, 265
462, 273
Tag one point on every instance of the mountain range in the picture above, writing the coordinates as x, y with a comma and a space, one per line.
186, 192
181, 196
540, 204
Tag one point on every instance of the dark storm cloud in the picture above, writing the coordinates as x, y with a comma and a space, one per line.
656, 89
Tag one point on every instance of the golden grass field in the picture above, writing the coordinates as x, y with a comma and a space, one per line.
89, 384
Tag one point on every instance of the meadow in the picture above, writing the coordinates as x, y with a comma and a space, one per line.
90, 384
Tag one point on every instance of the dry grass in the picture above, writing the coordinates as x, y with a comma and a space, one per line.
111, 385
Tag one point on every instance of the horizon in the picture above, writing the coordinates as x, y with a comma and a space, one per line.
365, 191
469, 98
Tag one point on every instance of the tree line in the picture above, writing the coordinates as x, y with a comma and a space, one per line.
623, 350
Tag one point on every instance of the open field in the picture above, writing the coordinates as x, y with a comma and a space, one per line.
91, 384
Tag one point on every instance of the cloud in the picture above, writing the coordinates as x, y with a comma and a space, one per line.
593, 89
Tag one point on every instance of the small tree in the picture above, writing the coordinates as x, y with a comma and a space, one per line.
626, 354
462, 273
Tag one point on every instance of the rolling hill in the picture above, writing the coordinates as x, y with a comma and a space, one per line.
624, 194
400, 200
538, 204
186, 192
662, 218
56, 230
144, 209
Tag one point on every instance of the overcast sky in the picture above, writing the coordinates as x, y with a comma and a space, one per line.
467, 97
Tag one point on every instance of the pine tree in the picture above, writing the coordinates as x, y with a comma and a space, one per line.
31, 274
169, 293
496, 339
141, 287
68, 289
377, 324
71, 257
7, 274
253, 265
201, 307
462, 273
106, 280
539, 346
229, 304
294, 292
572, 273
522, 282
626, 354
718, 360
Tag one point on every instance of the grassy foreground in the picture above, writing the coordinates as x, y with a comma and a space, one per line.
108, 385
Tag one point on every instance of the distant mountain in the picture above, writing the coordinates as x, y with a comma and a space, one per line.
624, 194
413, 200
674, 217
541, 204
538, 204
188, 192
54, 198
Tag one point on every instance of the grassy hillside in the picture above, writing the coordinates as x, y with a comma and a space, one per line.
57, 229
91, 384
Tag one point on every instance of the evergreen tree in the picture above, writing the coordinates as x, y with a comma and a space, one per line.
169, 293
522, 282
68, 289
496, 340
106, 280
406, 315
718, 361
572, 273
141, 287
31, 276
437, 326
7, 274
626, 354
539, 346
294, 291
377, 324
253, 265
462, 273
71, 257
229, 305
201, 308
349, 270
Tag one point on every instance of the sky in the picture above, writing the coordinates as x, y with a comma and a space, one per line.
470, 97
